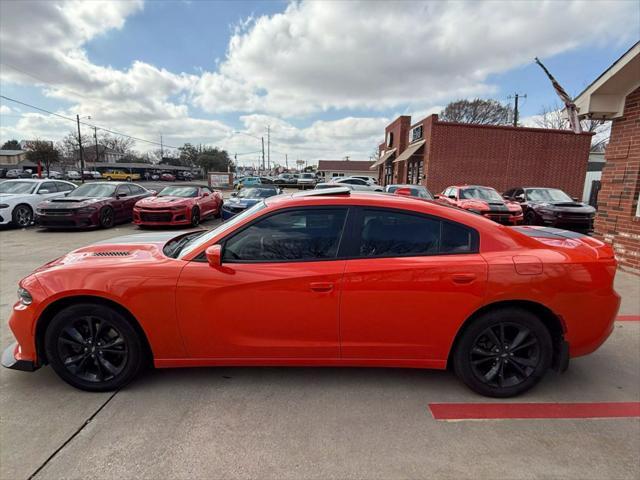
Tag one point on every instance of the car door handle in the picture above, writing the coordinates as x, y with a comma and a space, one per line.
321, 286
463, 278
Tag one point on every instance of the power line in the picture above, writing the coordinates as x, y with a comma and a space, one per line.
64, 117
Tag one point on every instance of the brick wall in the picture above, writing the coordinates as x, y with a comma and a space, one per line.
505, 157
616, 222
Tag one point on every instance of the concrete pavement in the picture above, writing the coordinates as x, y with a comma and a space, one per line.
301, 422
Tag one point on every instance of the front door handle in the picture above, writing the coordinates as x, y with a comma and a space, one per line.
321, 286
463, 278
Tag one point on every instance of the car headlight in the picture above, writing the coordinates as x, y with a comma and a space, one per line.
24, 296
85, 210
4, 205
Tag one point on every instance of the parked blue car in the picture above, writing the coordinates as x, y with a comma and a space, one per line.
247, 197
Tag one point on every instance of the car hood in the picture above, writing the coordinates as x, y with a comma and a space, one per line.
575, 207
119, 251
12, 197
162, 201
72, 202
242, 202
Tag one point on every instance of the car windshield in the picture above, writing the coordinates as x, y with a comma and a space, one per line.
257, 193
179, 192
17, 187
95, 190
194, 243
480, 193
547, 195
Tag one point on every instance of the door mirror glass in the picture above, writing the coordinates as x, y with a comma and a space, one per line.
121, 194
214, 255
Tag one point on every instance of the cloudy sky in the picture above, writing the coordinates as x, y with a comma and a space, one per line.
326, 76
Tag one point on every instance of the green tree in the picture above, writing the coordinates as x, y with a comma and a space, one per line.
11, 145
43, 152
478, 111
188, 155
214, 160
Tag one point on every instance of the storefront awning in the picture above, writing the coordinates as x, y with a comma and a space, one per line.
383, 159
410, 150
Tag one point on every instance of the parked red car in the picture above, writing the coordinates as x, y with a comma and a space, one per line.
323, 279
95, 204
168, 177
178, 205
485, 201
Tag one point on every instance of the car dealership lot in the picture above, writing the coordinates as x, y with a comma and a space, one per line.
302, 422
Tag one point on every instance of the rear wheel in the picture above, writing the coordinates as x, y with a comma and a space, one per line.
109, 179
503, 353
93, 347
128, 179
22, 215
107, 217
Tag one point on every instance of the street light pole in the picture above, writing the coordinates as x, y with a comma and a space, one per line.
80, 150
262, 138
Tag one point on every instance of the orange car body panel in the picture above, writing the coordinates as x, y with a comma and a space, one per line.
377, 312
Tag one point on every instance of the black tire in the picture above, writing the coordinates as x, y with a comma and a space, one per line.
109, 179
530, 218
128, 179
93, 347
106, 217
219, 212
22, 215
509, 362
195, 217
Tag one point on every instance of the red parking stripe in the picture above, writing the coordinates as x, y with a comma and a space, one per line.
485, 411
628, 318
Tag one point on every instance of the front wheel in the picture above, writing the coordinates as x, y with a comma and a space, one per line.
107, 217
530, 218
93, 347
195, 217
22, 216
503, 353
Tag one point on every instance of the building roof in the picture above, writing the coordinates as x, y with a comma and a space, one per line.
9, 153
605, 97
147, 166
344, 165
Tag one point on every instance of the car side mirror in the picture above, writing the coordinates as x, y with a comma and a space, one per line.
452, 197
575, 199
519, 198
121, 195
214, 255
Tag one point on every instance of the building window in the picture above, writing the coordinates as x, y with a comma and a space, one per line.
388, 172
336, 174
389, 139
415, 133
414, 172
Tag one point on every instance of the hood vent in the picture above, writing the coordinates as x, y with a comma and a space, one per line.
111, 254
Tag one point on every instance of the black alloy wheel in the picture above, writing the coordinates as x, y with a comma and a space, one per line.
93, 347
22, 216
107, 217
128, 179
503, 353
195, 217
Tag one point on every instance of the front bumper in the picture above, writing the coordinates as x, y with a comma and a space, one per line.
504, 218
152, 217
9, 360
72, 220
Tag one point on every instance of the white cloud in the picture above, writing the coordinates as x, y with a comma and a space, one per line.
4, 110
314, 56
362, 54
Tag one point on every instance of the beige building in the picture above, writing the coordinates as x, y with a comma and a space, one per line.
12, 157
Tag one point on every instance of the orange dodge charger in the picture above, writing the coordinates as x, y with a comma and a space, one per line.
326, 278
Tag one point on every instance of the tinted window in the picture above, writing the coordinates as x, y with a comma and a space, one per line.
136, 189
51, 186
456, 239
310, 234
390, 234
123, 190
64, 187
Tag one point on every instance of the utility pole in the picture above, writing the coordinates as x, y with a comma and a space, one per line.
286, 160
269, 146
262, 138
80, 150
161, 149
516, 97
95, 137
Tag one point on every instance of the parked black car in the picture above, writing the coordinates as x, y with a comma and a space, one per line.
552, 207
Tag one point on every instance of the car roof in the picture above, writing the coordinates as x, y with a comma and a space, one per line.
407, 185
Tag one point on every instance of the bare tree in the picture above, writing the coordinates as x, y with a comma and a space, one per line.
553, 117
68, 146
478, 111
116, 143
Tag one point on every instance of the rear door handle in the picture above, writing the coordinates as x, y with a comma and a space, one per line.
463, 278
321, 286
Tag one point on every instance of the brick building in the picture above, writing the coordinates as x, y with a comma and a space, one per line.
438, 154
615, 95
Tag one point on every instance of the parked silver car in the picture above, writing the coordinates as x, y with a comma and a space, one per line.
357, 184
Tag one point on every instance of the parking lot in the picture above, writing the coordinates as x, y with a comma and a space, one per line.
303, 422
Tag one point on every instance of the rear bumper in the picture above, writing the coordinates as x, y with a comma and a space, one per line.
9, 360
